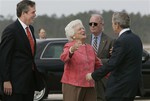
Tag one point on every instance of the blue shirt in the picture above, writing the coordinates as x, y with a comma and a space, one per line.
98, 39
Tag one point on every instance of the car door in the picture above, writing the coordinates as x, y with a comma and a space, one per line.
51, 65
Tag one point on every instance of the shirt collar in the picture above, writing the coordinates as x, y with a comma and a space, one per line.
124, 30
97, 36
23, 24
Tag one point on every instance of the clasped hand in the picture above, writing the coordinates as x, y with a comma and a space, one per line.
89, 76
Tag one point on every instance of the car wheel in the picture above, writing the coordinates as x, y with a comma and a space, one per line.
39, 96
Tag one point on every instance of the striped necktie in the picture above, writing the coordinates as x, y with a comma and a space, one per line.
95, 44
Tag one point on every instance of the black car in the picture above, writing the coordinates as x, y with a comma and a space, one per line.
48, 62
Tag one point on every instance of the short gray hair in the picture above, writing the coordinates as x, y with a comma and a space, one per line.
122, 18
99, 16
23, 6
69, 29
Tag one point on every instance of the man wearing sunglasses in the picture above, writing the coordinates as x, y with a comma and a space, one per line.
102, 47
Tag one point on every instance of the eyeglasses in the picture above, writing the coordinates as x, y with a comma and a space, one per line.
93, 24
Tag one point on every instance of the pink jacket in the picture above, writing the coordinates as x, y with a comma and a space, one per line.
83, 61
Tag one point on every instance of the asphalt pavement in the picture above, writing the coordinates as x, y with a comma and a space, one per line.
59, 97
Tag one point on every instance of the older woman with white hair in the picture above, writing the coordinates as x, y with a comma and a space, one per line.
80, 59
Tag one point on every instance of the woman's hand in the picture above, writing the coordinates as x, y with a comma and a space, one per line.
76, 46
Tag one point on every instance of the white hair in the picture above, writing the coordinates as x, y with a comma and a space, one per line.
70, 28
99, 16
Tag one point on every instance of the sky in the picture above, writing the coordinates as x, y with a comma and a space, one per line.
67, 7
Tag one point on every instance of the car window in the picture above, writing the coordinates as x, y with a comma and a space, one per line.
53, 50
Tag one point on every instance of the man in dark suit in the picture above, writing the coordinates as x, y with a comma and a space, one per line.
124, 64
104, 46
17, 55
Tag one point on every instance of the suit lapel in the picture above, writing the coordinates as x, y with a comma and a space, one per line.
102, 44
23, 35
89, 39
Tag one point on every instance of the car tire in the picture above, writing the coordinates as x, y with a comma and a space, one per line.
39, 96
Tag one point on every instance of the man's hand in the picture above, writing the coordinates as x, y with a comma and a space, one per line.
89, 77
110, 51
7, 88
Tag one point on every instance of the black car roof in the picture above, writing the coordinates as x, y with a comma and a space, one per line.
51, 39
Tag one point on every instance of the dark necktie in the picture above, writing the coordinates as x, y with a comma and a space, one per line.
95, 44
30, 39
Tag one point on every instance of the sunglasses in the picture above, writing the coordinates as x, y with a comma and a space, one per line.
93, 24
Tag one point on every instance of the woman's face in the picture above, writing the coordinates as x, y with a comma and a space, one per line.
79, 32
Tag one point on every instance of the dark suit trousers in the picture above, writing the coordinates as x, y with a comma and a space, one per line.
119, 99
100, 87
19, 97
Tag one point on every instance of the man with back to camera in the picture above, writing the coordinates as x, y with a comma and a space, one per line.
103, 49
125, 63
